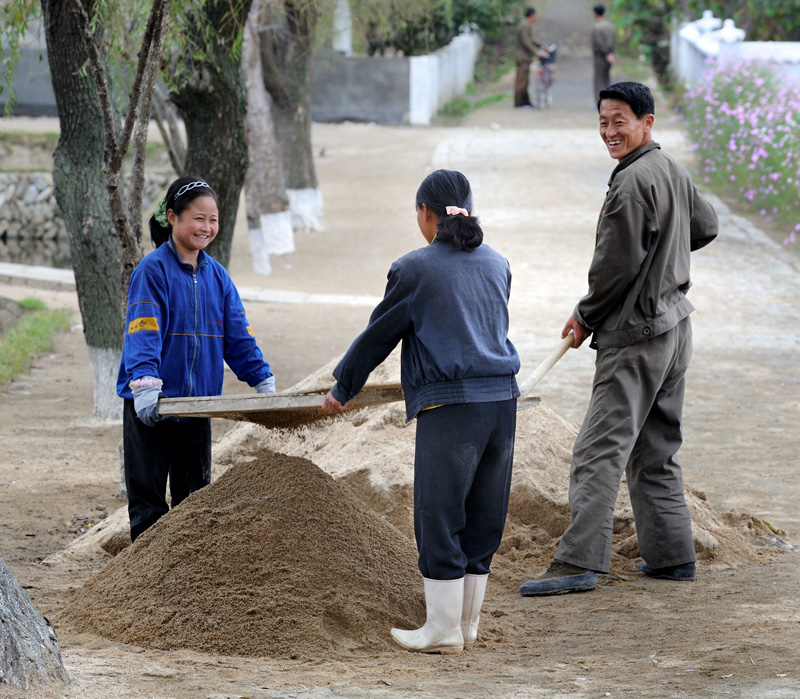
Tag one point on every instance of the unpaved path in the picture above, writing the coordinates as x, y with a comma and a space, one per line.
539, 179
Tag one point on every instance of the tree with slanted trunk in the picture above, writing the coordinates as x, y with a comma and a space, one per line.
29, 650
104, 233
209, 91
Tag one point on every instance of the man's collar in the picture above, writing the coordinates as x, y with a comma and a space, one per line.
631, 157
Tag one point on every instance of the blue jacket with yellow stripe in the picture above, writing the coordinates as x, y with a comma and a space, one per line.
183, 324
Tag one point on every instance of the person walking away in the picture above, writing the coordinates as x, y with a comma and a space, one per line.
604, 44
528, 45
448, 304
184, 321
637, 313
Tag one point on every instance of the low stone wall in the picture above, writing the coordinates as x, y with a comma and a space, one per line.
32, 229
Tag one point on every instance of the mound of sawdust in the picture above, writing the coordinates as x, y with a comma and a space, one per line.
274, 558
322, 380
372, 451
278, 557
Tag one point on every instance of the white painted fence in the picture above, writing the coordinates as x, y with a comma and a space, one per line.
710, 38
438, 77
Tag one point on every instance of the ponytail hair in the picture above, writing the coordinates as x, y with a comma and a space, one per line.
444, 189
180, 194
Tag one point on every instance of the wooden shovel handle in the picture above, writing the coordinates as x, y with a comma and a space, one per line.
528, 384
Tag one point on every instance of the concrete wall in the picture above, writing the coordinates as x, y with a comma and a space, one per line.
399, 90
360, 88
35, 95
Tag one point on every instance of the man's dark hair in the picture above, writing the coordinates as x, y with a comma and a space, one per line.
636, 95
530, 12
599, 10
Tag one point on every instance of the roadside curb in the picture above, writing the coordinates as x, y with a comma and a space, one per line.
64, 280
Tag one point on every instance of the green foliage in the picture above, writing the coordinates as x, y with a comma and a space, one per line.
31, 336
743, 119
15, 16
416, 27
490, 17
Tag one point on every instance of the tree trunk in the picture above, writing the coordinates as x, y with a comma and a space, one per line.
29, 650
269, 219
287, 61
213, 103
79, 184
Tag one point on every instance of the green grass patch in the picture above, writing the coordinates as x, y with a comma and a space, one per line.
46, 140
31, 336
493, 99
456, 108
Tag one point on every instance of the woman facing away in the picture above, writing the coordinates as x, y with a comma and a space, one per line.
448, 304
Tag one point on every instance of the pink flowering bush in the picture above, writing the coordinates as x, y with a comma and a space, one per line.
743, 120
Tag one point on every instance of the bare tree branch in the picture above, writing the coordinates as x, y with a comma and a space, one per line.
152, 44
127, 225
167, 121
145, 104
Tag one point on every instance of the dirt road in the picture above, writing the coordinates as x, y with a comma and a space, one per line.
538, 179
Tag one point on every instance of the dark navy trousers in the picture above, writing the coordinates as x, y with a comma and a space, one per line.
462, 479
170, 450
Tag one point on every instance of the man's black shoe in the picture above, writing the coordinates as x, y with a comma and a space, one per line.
685, 571
559, 579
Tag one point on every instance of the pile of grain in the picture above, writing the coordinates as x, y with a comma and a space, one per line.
274, 558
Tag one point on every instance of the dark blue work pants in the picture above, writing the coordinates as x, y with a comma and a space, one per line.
462, 480
178, 451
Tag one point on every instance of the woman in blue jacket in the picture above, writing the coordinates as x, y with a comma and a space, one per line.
184, 321
448, 303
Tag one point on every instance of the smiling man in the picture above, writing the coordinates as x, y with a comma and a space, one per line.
637, 314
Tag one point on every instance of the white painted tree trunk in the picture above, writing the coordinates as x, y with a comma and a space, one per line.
343, 28
29, 650
105, 365
278, 232
307, 210
265, 189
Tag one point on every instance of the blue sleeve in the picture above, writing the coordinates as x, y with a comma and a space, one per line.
147, 318
388, 324
241, 351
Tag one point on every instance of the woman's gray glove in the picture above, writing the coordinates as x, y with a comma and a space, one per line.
267, 385
146, 392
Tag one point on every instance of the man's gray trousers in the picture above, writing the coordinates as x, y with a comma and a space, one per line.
632, 425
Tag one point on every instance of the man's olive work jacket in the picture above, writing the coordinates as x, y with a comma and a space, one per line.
652, 218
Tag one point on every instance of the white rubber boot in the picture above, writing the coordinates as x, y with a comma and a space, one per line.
441, 633
474, 590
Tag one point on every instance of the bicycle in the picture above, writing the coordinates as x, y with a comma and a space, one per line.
544, 77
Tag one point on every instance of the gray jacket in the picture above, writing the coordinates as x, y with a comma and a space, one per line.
652, 218
604, 39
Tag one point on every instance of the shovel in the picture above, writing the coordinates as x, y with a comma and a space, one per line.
528, 384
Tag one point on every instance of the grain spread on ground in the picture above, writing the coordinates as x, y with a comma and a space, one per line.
304, 544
